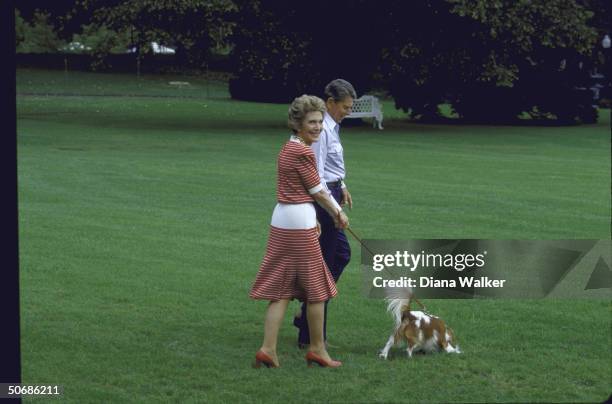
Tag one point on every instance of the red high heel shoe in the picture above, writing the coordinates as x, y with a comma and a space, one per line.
312, 357
263, 358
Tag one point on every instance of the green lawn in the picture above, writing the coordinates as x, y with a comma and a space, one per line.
143, 221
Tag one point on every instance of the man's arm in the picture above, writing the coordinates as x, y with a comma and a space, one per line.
320, 151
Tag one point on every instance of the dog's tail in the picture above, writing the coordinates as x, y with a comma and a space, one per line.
396, 307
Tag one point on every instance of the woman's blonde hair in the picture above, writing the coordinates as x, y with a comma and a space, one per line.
300, 107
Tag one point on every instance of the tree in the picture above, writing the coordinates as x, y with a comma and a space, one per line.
462, 52
283, 49
100, 41
426, 51
37, 37
188, 25
470, 53
270, 56
20, 28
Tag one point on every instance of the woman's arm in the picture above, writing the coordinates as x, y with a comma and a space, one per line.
331, 207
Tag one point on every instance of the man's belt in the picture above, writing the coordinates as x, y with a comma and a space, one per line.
334, 184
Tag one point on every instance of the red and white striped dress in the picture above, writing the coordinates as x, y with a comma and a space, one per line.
293, 267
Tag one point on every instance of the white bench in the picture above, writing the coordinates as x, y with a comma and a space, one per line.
368, 106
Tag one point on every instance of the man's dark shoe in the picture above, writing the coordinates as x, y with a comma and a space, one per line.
297, 322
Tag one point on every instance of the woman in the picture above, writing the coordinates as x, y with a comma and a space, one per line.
293, 266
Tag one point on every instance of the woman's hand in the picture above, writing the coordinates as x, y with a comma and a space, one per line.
332, 208
341, 220
318, 229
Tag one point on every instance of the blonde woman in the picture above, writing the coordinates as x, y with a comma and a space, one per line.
293, 267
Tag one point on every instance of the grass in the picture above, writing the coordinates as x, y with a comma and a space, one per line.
143, 221
36, 81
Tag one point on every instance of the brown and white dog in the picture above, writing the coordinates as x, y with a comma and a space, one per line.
421, 331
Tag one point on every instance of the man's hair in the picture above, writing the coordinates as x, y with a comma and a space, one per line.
339, 89
300, 107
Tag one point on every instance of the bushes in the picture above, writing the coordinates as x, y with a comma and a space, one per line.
544, 100
489, 104
246, 89
563, 95
39, 36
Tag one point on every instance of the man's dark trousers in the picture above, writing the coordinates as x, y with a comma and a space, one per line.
336, 253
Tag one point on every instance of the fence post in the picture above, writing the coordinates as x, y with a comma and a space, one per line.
207, 81
138, 64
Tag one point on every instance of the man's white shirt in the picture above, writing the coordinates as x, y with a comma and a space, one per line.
329, 152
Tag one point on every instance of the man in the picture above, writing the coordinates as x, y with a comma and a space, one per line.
339, 96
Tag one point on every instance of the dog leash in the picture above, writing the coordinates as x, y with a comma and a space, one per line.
358, 239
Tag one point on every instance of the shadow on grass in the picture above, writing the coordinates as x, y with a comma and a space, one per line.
116, 95
202, 124
510, 122
443, 121
237, 118
228, 127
